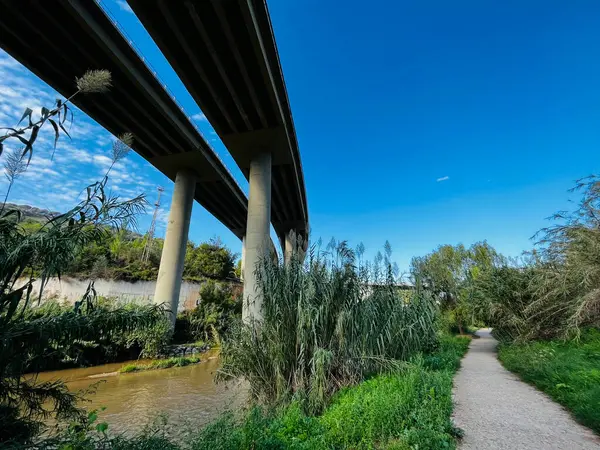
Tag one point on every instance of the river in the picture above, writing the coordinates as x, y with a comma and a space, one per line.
187, 396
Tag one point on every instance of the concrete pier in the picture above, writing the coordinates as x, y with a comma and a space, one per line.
170, 271
257, 242
291, 245
243, 258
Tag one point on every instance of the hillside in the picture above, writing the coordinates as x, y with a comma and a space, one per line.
33, 213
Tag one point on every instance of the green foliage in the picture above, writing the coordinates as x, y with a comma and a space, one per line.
501, 298
450, 273
179, 361
567, 283
557, 291
211, 320
30, 339
146, 337
326, 326
119, 256
87, 433
568, 371
409, 408
210, 259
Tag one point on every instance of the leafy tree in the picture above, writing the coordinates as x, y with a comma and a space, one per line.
213, 316
555, 292
450, 272
210, 259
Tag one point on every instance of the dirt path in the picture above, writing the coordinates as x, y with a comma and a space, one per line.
498, 411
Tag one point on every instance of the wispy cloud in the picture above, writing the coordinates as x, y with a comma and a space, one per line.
199, 117
443, 179
124, 6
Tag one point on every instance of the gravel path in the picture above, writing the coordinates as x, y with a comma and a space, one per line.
498, 411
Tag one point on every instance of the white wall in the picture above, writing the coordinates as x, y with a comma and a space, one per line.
71, 290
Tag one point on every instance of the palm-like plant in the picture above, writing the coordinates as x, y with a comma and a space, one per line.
25, 343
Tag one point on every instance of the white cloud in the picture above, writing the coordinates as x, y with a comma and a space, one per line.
443, 179
200, 117
102, 160
124, 6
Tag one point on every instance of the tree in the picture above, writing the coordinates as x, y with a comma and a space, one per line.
210, 259
449, 273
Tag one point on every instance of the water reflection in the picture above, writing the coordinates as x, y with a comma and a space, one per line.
187, 395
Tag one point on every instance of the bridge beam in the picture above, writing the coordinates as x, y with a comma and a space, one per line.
257, 242
168, 284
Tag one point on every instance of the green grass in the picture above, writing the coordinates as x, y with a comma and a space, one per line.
179, 361
407, 409
567, 371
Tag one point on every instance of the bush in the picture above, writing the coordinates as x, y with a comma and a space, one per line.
211, 320
501, 298
556, 292
108, 344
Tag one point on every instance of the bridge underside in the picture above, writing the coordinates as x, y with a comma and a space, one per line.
224, 52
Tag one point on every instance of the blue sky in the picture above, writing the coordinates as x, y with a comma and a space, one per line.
421, 122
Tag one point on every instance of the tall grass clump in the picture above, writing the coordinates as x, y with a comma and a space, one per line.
327, 324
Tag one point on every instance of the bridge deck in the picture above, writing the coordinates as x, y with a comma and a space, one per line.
224, 52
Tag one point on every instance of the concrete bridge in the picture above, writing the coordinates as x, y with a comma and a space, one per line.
231, 67
224, 51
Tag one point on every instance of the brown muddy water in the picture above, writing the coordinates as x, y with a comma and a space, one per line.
187, 396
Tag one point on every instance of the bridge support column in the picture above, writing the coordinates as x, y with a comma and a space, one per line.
291, 246
243, 258
168, 284
302, 245
257, 234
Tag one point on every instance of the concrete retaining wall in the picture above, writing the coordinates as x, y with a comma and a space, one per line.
71, 290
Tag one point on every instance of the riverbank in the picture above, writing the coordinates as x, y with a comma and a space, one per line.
130, 402
178, 361
569, 372
405, 409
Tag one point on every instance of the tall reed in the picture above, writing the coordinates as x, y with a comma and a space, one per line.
328, 323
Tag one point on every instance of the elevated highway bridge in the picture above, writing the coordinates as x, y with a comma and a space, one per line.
225, 53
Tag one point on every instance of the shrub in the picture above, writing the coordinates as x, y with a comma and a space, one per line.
212, 318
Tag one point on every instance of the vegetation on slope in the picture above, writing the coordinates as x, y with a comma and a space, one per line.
119, 256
